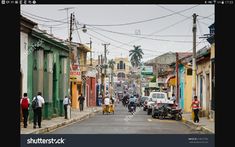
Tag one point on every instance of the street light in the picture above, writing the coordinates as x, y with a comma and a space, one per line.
84, 29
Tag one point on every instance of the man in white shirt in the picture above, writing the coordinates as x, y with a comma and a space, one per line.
37, 117
66, 102
107, 102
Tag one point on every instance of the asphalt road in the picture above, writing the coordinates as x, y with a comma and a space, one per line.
122, 122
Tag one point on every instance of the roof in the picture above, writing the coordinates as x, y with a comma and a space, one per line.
84, 47
28, 20
202, 52
43, 34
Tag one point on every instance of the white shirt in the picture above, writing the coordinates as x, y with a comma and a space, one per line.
106, 101
66, 101
40, 100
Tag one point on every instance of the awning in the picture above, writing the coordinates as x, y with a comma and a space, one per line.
170, 80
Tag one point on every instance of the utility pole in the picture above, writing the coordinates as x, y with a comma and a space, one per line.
194, 58
90, 52
177, 77
70, 56
67, 10
105, 63
102, 75
194, 54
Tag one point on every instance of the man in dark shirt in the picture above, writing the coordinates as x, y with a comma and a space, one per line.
81, 102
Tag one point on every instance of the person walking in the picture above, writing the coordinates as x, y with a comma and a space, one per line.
196, 107
24, 102
173, 98
66, 102
37, 104
81, 100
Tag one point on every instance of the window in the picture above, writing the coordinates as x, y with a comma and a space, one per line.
121, 65
124, 66
118, 66
189, 71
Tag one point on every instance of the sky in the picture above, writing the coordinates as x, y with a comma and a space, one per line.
156, 28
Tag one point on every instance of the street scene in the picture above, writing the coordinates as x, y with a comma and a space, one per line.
117, 69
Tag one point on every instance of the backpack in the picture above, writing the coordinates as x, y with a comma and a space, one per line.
35, 103
24, 103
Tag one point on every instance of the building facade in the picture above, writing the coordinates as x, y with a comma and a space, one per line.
122, 67
203, 80
48, 71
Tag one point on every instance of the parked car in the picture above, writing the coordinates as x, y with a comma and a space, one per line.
156, 97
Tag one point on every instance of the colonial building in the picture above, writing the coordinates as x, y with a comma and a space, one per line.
26, 27
211, 40
122, 67
203, 79
77, 70
45, 68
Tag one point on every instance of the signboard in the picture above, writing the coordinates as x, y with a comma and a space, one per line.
153, 85
147, 70
75, 74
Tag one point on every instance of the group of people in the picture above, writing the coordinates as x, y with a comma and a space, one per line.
37, 105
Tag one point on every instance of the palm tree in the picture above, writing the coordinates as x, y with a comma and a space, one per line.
136, 56
111, 64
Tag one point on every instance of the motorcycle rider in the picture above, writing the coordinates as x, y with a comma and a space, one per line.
132, 102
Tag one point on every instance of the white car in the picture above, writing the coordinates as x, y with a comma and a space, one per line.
156, 97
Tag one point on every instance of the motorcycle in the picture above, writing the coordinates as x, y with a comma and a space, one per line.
167, 111
131, 108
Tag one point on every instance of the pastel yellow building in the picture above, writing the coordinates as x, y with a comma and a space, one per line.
122, 67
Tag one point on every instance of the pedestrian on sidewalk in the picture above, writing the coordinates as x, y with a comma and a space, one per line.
81, 100
24, 102
173, 98
196, 107
37, 104
66, 102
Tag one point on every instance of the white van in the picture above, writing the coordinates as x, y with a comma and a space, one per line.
156, 97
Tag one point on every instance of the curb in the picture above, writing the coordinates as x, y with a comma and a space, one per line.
67, 122
197, 127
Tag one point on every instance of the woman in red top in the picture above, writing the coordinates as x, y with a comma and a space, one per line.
195, 106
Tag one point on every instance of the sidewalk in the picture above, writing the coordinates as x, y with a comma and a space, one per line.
49, 125
205, 125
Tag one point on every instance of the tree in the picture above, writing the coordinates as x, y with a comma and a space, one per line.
153, 79
136, 56
111, 64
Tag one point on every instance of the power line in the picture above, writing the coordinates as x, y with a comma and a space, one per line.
178, 41
142, 21
167, 27
206, 17
203, 17
77, 31
46, 19
174, 11
199, 28
130, 34
122, 42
